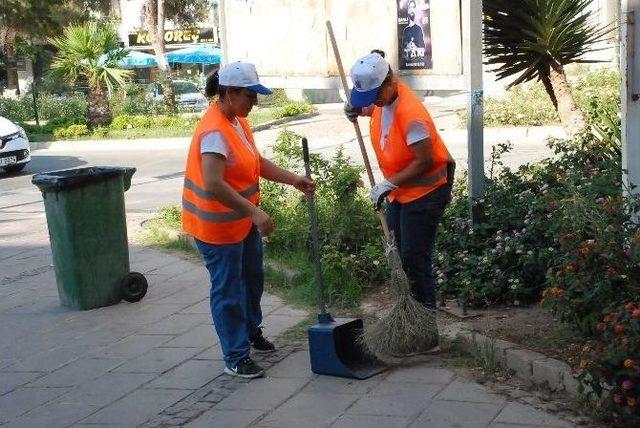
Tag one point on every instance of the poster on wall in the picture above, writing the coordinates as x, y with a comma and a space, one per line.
414, 35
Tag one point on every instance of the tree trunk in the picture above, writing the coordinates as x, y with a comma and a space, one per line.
571, 116
115, 10
154, 23
99, 111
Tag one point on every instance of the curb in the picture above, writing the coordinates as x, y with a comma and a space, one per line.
530, 366
148, 143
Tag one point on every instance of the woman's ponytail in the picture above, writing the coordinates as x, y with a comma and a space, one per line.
212, 86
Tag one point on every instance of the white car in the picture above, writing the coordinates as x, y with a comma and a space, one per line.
15, 152
186, 94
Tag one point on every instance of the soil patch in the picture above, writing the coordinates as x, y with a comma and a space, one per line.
532, 327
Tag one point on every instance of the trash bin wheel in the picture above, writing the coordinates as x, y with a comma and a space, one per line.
133, 287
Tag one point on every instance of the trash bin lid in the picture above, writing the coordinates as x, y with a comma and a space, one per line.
55, 181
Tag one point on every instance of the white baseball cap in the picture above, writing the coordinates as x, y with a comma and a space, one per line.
242, 75
367, 75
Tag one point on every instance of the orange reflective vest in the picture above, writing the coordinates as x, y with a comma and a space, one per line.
397, 155
203, 217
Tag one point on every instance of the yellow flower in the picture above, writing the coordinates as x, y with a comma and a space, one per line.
631, 402
585, 349
628, 363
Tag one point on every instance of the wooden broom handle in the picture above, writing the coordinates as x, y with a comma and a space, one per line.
356, 126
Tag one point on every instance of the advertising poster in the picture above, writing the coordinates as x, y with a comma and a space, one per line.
414, 35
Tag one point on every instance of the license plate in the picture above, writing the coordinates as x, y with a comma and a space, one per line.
9, 160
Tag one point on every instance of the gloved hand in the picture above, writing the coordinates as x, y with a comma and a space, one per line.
380, 191
351, 112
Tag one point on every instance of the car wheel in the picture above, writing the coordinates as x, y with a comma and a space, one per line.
15, 168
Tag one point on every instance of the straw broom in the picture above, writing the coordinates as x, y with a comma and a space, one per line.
410, 327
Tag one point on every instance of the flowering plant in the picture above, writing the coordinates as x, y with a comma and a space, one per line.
609, 366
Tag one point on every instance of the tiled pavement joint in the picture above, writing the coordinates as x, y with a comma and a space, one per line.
198, 402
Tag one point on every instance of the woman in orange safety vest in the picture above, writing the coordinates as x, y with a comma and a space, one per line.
416, 165
220, 209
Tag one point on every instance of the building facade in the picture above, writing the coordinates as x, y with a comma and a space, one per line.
286, 18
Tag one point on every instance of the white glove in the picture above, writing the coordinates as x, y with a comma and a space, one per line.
380, 191
351, 112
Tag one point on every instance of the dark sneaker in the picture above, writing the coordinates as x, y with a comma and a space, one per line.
246, 369
261, 344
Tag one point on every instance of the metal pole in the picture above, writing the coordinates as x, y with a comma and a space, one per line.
630, 93
222, 22
472, 52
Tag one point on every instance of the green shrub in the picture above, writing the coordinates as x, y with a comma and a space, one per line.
71, 132
121, 122
72, 106
352, 251
52, 125
174, 121
136, 105
16, 110
101, 132
127, 121
276, 99
49, 107
293, 108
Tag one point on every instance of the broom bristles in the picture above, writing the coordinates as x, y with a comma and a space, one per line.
409, 327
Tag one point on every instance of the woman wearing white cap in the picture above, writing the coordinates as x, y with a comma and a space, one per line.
220, 209
417, 168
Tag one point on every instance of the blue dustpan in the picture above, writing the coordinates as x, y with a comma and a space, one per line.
334, 348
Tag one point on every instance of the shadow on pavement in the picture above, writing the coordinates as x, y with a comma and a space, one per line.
45, 163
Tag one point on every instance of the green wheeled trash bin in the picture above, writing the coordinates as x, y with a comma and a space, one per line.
88, 234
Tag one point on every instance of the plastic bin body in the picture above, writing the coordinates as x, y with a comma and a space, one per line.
88, 232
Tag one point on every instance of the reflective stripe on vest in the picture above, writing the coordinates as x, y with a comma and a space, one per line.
211, 216
208, 196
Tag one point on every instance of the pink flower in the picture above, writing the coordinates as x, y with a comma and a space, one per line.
601, 327
627, 384
617, 398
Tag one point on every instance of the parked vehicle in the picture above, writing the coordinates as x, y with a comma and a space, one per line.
15, 152
186, 94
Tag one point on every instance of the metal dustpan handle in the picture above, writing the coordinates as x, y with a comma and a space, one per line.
324, 317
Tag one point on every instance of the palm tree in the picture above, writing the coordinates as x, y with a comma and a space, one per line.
90, 52
535, 39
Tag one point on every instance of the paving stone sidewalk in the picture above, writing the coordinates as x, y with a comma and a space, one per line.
157, 363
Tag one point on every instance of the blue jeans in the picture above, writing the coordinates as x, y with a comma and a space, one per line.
237, 282
414, 226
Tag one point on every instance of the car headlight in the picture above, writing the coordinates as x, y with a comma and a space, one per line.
22, 132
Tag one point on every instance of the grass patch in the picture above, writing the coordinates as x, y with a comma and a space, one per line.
258, 116
297, 286
164, 231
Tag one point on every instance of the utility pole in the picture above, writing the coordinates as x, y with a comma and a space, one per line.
222, 23
630, 93
472, 52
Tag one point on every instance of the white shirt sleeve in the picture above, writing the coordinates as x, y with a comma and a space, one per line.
417, 131
213, 142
